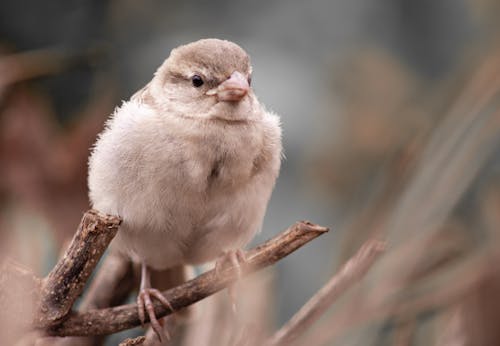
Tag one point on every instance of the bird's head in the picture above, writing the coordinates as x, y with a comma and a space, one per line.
207, 79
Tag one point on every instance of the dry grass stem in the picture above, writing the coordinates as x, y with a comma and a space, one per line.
351, 272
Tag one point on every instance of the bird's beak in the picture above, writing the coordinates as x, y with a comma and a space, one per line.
232, 89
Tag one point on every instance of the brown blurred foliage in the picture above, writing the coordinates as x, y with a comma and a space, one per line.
43, 165
417, 163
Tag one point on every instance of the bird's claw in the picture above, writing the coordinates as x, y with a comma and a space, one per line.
145, 304
235, 259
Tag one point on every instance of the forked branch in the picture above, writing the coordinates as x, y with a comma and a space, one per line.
66, 281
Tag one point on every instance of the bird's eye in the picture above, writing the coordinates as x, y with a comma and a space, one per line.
249, 80
197, 81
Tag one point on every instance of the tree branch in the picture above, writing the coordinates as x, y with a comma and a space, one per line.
66, 281
112, 320
350, 272
111, 285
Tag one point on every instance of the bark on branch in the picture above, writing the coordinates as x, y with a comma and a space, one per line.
66, 281
112, 320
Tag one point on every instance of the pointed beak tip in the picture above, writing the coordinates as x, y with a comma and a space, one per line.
234, 88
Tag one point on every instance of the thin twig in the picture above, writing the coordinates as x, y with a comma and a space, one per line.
360, 312
66, 281
352, 271
112, 320
26, 65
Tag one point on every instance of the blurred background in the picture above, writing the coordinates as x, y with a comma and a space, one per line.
391, 118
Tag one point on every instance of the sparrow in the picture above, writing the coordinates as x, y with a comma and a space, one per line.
189, 164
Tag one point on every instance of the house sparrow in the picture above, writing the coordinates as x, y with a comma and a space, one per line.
188, 163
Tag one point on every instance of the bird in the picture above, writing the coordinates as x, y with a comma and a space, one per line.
189, 163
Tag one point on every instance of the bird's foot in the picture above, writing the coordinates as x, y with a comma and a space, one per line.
145, 304
234, 258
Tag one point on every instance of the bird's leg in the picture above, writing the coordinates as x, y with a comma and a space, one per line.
235, 259
145, 303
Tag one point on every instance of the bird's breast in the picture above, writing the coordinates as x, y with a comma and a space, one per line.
224, 161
